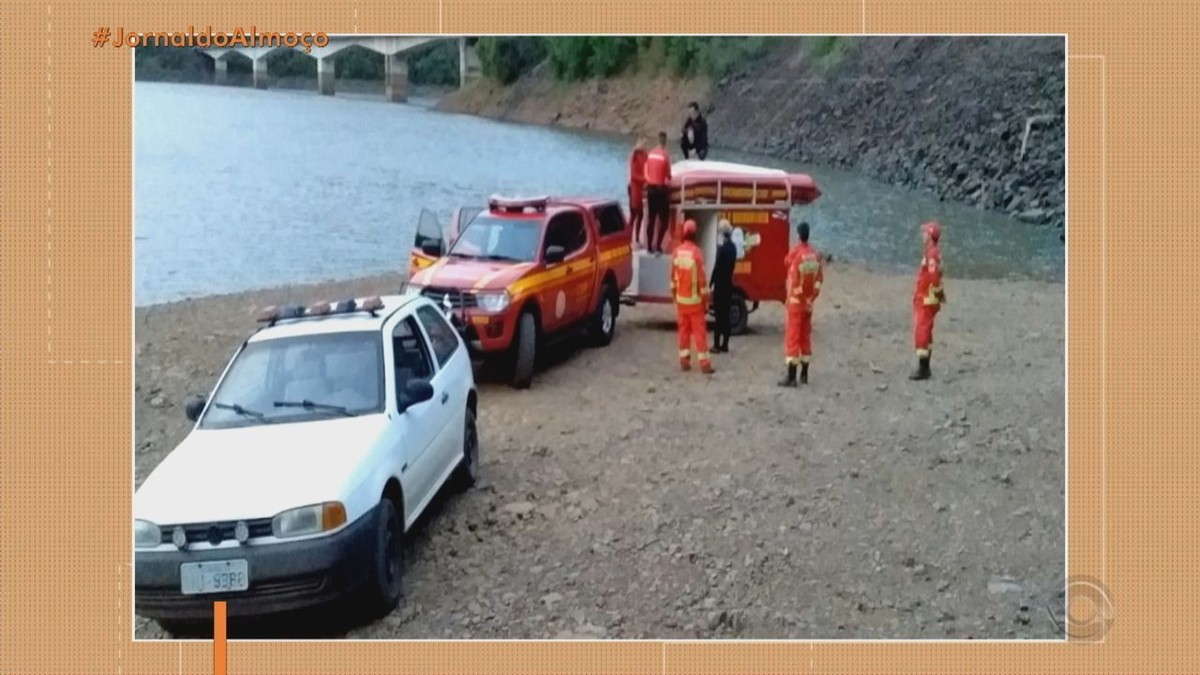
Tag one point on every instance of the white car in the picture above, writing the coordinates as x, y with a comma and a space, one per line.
328, 434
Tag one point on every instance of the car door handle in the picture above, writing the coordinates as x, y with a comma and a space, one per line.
445, 397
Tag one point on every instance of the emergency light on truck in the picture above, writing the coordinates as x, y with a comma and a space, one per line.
517, 204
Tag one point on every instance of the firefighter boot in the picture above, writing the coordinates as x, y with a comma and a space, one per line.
922, 371
685, 364
706, 368
803, 373
790, 380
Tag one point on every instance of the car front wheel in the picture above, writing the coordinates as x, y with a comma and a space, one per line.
525, 351
385, 587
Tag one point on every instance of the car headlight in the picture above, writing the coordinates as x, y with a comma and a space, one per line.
305, 520
493, 302
146, 534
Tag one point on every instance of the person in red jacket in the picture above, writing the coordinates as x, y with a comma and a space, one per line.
928, 298
805, 273
689, 287
637, 188
658, 196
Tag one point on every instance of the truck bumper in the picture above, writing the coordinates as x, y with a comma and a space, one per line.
283, 576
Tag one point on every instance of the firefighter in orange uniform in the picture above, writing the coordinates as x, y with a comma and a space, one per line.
927, 299
689, 287
804, 276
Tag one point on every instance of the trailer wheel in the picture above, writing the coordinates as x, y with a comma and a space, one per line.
739, 315
525, 351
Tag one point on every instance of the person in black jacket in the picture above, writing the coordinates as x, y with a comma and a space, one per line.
722, 286
695, 133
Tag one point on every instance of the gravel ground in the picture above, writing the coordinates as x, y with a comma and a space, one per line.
624, 499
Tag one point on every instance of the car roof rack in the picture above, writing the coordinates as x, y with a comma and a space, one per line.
275, 313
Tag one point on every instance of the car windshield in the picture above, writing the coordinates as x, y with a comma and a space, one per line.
504, 239
299, 379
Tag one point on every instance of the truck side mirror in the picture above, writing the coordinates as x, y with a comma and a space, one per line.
554, 255
194, 408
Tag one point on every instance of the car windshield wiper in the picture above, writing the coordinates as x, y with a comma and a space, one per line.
460, 254
309, 405
502, 258
244, 412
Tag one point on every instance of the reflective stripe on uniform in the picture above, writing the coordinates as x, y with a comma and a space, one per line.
922, 353
685, 353
805, 358
792, 361
690, 295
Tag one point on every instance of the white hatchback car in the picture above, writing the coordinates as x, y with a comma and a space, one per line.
330, 431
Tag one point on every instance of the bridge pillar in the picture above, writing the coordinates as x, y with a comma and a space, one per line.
325, 75
260, 73
469, 67
395, 77
220, 71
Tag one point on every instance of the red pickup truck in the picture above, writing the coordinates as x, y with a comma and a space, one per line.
522, 272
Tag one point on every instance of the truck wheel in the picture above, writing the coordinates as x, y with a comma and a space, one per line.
604, 320
468, 468
525, 352
387, 565
739, 315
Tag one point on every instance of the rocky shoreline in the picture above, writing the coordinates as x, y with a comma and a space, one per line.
973, 120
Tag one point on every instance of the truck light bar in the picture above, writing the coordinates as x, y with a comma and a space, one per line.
517, 204
275, 313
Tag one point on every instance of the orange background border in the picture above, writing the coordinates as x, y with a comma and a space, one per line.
66, 333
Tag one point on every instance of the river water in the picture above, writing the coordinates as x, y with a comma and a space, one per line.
237, 189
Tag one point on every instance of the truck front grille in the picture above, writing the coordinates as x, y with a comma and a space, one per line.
458, 299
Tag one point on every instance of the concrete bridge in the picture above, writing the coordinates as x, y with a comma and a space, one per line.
393, 48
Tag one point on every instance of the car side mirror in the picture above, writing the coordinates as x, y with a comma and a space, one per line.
194, 408
416, 391
432, 248
554, 255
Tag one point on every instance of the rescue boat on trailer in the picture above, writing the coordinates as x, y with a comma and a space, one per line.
757, 201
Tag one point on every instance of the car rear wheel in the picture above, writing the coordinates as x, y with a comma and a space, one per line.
468, 468
525, 351
184, 628
385, 587
604, 321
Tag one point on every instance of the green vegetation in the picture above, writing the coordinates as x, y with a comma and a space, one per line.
504, 59
828, 51
586, 57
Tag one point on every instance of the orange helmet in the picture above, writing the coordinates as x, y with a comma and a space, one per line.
932, 229
689, 228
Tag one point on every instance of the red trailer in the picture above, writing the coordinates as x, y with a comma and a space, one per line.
758, 202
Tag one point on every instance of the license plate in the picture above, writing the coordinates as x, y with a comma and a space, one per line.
219, 576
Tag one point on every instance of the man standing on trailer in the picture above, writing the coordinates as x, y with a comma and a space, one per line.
927, 299
637, 189
658, 196
695, 133
722, 286
691, 295
805, 273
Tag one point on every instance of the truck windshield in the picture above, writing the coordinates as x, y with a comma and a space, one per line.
299, 379
504, 239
